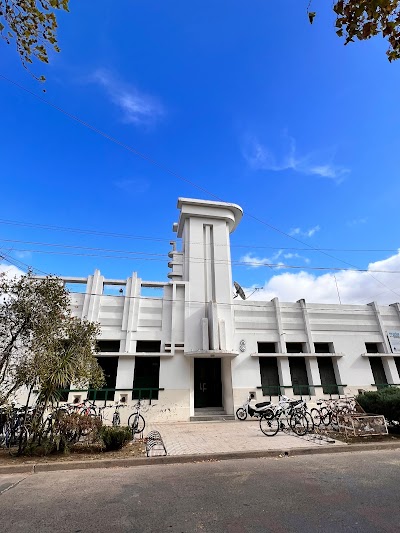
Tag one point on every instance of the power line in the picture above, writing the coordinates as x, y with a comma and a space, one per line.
19, 264
160, 239
173, 173
200, 260
252, 303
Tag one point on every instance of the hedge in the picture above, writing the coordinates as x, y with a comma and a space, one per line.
385, 402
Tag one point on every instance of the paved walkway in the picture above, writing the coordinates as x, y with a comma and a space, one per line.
187, 438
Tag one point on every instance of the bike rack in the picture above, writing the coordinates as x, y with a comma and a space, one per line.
154, 440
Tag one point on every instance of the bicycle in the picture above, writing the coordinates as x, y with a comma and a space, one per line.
321, 414
136, 421
13, 430
116, 419
292, 411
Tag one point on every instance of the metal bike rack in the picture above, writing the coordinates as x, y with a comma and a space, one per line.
154, 440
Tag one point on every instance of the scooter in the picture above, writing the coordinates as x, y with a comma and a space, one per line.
258, 410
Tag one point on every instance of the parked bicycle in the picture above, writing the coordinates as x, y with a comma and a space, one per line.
13, 430
287, 414
136, 421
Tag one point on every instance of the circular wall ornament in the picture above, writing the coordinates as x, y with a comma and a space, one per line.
242, 345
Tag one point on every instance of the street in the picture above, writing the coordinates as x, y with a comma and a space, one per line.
356, 492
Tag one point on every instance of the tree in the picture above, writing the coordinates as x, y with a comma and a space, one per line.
33, 25
42, 346
363, 19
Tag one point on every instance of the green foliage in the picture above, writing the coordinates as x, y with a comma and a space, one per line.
59, 433
363, 19
385, 402
115, 438
33, 26
42, 346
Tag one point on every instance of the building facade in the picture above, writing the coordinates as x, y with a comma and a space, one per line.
203, 348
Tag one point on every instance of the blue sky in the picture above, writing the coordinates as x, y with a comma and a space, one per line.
246, 100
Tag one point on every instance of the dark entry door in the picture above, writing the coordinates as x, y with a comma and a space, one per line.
207, 383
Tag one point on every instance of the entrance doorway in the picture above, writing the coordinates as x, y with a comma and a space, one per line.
207, 383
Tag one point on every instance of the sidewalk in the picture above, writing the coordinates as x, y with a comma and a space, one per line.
209, 441
192, 438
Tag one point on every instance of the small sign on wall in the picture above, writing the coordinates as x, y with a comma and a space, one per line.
394, 341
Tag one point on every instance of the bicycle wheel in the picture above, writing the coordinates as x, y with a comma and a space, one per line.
316, 417
310, 421
269, 426
241, 413
326, 416
298, 423
137, 423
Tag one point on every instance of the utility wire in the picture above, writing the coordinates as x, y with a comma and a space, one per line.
200, 260
173, 173
251, 303
158, 239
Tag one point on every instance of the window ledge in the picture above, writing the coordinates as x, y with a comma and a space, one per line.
378, 354
211, 353
300, 354
146, 354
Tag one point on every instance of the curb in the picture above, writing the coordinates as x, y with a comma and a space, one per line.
182, 459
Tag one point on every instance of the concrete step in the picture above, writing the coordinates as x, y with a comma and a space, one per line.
211, 417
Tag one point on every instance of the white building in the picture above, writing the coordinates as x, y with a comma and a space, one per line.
203, 348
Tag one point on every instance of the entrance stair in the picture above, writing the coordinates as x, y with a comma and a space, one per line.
210, 414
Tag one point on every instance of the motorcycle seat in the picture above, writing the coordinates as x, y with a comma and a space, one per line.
262, 404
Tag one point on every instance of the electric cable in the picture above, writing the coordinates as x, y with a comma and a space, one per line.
173, 173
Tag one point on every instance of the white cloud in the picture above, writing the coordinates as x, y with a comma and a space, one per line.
296, 256
21, 254
136, 107
10, 271
357, 222
260, 157
304, 233
255, 262
354, 287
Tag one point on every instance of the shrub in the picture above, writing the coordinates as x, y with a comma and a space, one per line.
70, 427
384, 402
115, 438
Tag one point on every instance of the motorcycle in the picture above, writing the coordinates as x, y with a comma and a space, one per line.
262, 409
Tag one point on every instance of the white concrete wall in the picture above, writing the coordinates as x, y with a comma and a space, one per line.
197, 308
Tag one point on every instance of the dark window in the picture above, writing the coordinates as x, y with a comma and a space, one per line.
327, 373
62, 395
397, 361
147, 375
269, 376
373, 347
298, 373
378, 372
108, 346
266, 347
148, 346
294, 347
109, 366
322, 347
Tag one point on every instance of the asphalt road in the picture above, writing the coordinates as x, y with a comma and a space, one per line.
333, 493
